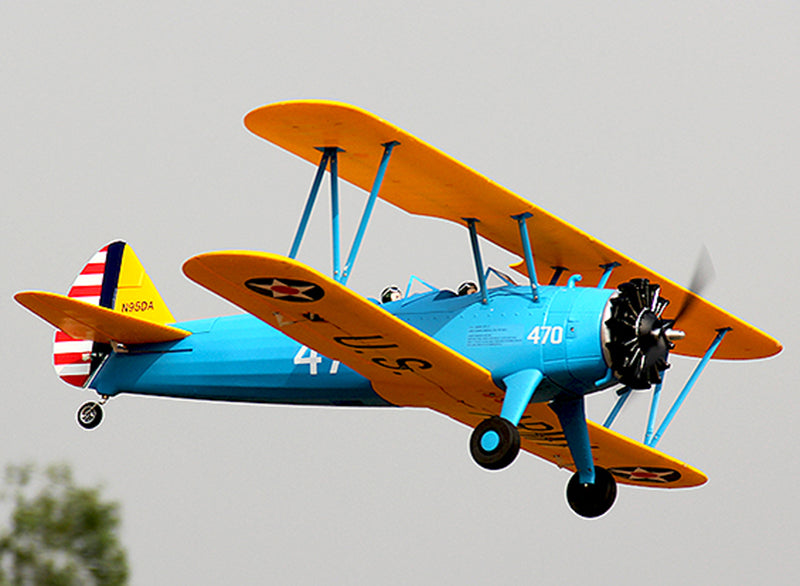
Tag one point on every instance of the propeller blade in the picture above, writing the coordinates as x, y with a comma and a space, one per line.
702, 277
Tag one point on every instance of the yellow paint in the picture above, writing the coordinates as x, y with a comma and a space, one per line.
85, 321
346, 316
136, 294
423, 180
346, 327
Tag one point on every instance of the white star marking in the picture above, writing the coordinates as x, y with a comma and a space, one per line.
642, 474
288, 290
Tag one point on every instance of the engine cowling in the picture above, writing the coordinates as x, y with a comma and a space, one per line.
637, 340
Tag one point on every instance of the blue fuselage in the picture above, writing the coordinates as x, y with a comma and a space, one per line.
241, 358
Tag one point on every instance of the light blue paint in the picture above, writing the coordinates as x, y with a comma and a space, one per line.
496, 336
241, 358
520, 388
476, 254
312, 197
335, 210
236, 358
365, 216
414, 278
609, 376
572, 416
607, 270
651, 418
622, 398
528, 253
573, 281
490, 440
500, 275
688, 387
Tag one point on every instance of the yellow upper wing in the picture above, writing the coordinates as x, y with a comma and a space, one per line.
406, 366
423, 180
85, 321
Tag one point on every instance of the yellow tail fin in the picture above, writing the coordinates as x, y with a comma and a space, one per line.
136, 293
113, 279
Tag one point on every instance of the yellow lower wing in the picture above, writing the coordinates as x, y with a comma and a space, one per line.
406, 366
630, 462
84, 321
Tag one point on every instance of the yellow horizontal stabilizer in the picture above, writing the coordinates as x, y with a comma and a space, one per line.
84, 321
423, 180
406, 366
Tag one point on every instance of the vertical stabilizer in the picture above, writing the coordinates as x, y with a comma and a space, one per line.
135, 292
115, 279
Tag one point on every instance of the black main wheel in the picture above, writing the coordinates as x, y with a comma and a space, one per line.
592, 500
494, 444
90, 415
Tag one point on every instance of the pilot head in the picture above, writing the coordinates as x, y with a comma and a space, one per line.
467, 288
391, 294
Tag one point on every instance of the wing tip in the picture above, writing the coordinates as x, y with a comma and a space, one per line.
256, 119
86, 321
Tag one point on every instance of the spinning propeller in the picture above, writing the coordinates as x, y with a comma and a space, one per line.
703, 275
639, 338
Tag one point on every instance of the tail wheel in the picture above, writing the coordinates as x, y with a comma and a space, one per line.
494, 444
592, 500
90, 415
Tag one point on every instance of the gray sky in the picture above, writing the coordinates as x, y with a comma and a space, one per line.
656, 128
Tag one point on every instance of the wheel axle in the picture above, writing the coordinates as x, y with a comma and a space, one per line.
494, 443
90, 415
592, 500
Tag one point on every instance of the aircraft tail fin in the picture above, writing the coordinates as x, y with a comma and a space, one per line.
114, 279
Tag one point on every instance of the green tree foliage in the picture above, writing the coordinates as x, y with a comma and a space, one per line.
57, 533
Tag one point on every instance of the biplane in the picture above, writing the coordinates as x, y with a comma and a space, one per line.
514, 362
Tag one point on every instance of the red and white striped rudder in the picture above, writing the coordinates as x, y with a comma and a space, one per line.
116, 280
73, 359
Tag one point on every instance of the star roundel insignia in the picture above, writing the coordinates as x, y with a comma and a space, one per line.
286, 289
646, 474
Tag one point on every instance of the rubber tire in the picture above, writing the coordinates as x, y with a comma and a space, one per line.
592, 500
505, 452
90, 415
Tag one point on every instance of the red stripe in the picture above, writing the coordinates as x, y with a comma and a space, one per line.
104, 249
64, 337
69, 358
85, 291
75, 379
94, 268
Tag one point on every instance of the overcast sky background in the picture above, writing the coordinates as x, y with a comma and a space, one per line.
658, 128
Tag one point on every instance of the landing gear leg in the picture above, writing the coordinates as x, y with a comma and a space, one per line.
592, 490
494, 444
592, 500
91, 413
